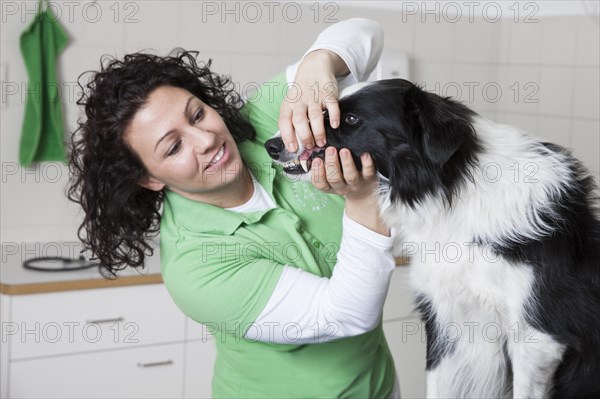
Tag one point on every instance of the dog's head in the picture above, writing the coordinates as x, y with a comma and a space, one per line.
419, 141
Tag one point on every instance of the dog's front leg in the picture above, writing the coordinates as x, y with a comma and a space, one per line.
433, 384
439, 369
535, 357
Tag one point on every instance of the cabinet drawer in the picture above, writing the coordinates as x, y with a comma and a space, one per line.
92, 320
399, 299
143, 372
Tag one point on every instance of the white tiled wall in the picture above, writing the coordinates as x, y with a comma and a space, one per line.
554, 64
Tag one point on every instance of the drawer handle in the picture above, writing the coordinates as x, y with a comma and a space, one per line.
165, 363
115, 320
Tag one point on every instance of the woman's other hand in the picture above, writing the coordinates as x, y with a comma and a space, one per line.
315, 89
339, 175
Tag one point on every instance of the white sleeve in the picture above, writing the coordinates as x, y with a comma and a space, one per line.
358, 41
305, 308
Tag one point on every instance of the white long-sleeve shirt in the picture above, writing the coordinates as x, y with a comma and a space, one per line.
316, 309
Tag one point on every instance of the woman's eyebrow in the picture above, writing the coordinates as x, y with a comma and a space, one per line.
186, 113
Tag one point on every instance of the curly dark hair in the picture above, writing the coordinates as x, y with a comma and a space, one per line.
121, 217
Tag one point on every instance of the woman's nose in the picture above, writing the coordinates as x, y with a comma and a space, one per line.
202, 141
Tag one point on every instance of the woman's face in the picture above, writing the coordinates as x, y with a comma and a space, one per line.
185, 146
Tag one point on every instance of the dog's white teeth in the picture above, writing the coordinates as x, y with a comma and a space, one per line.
304, 164
291, 164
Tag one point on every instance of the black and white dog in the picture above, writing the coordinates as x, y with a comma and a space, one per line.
503, 235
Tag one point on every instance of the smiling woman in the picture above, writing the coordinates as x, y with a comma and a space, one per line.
121, 213
197, 157
168, 146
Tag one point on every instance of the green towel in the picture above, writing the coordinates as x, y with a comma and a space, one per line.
43, 131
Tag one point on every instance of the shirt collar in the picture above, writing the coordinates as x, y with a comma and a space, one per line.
204, 218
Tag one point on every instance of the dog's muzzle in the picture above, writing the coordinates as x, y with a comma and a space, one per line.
296, 163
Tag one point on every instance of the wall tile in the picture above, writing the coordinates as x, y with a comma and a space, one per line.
519, 86
435, 41
528, 123
200, 27
99, 23
559, 40
477, 41
586, 142
399, 33
71, 217
11, 124
299, 31
586, 98
14, 89
555, 130
16, 17
490, 114
504, 40
526, 42
33, 195
156, 27
588, 42
556, 91
473, 78
256, 37
433, 75
24, 234
248, 71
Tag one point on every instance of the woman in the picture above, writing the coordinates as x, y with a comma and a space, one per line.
244, 250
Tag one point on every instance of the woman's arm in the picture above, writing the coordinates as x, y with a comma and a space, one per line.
305, 308
350, 302
349, 47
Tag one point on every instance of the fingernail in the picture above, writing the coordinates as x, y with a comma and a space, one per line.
331, 151
335, 124
309, 146
321, 143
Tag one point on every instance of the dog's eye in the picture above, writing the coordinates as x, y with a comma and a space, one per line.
351, 119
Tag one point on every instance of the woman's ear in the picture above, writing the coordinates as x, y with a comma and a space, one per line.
151, 183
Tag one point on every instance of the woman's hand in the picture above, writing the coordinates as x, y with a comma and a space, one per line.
359, 188
315, 88
342, 178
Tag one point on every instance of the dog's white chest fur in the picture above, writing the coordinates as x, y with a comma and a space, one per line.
479, 299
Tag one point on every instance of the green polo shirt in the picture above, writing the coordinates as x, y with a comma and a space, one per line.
221, 268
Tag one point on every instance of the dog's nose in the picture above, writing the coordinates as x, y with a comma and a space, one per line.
274, 147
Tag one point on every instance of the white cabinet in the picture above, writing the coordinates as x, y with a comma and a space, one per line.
60, 323
133, 342
126, 342
143, 372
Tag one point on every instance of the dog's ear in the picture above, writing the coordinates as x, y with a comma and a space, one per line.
439, 125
